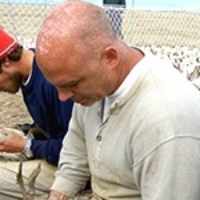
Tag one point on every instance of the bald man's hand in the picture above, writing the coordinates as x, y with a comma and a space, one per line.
54, 195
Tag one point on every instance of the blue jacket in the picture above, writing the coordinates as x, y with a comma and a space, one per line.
48, 112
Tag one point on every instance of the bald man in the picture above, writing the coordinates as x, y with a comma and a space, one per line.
135, 124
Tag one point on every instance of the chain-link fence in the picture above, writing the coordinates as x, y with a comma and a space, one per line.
169, 28
23, 20
141, 27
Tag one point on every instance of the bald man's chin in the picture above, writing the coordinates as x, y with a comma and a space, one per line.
86, 102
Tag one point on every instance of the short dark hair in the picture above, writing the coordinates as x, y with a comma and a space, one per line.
16, 54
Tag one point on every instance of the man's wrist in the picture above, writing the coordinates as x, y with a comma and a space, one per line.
27, 149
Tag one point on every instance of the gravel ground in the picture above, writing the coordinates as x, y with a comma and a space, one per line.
12, 110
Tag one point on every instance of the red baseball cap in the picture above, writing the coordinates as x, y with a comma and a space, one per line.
7, 44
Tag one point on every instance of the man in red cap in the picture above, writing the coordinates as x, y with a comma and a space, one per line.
19, 71
8, 44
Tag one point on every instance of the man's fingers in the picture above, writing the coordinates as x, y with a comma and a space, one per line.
11, 131
54, 195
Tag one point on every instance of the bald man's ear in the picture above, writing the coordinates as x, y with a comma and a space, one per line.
111, 56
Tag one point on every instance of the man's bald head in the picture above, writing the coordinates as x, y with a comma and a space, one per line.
79, 52
75, 23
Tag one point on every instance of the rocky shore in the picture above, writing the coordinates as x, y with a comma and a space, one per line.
185, 59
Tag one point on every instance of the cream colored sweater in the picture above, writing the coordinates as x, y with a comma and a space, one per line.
147, 149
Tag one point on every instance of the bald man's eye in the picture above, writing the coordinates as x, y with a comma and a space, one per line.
73, 84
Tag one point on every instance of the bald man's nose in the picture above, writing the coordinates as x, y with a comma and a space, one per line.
65, 95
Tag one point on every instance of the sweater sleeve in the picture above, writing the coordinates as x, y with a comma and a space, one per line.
73, 170
167, 171
48, 150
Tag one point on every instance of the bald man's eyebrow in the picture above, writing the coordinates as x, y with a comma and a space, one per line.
70, 84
